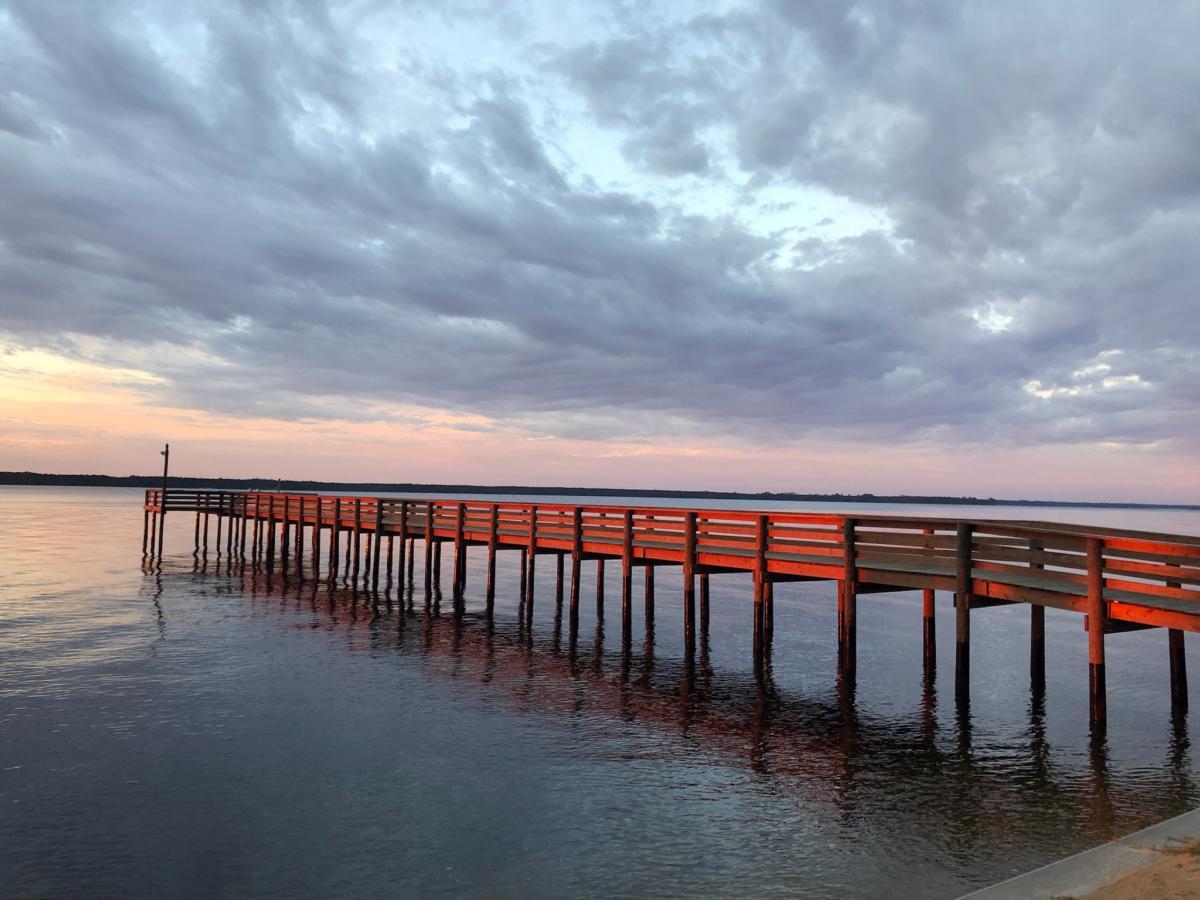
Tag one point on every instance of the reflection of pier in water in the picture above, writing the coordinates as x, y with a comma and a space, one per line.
820, 749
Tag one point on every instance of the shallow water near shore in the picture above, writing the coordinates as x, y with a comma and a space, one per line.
205, 729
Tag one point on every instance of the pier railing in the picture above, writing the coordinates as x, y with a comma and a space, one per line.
1120, 580
1044, 563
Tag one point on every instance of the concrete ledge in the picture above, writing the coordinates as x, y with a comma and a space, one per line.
1079, 875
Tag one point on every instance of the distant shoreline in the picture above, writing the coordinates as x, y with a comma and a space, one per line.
236, 484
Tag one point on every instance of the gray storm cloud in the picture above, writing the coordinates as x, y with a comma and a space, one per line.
220, 176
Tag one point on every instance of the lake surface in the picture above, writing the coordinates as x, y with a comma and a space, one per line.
205, 730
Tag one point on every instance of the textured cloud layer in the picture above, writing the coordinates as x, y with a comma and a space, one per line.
889, 222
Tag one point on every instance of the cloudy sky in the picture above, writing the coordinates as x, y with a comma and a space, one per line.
895, 247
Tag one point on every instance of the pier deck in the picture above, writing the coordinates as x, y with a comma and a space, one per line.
1122, 580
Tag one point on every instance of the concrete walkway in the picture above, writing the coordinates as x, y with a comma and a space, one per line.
1079, 875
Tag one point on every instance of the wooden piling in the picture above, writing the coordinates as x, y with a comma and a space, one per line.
1179, 691
154, 531
356, 553
403, 541
285, 533
460, 512
335, 534
648, 593
760, 580
962, 611
146, 529
493, 536
627, 578
315, 550
376, 544
559, 559
1095, 627
1037, 622
849, 597
576, 557
245, 523
196, 535
704, 605
428, 548
529, 580
600, 587
689, 580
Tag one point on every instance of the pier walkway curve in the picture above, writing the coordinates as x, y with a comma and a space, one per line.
1118, 580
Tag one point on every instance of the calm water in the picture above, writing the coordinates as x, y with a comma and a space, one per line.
207, 731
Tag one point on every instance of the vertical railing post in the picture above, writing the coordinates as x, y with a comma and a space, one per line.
285, 534
403, 543
377, 544
760, 582
689, 581
627, 579
928, 623
428, 548
493, 535
1037, 622
532, 560
356, 553
648, 587
849, 598
335, 537
962, 610
315, 550
1095, 626
576, 558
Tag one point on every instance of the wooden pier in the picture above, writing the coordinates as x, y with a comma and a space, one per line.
1118, 580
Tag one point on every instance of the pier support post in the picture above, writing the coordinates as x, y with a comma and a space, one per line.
412, 557
460, 512
627, 579
285, 533
195, 535
704, 606
760, 581
356, 553
315, 550
146, 529
376, 544
154, 531
335, 534
204, 530
929, 629
1179, 692
270, 536
493, 532
600, 588
768, 613
403, 549
962, 611
1095, 626
529, 579
576, 558
560, 559
245, 525
689, 581
299, 549
648, 594
849, 599
428, 549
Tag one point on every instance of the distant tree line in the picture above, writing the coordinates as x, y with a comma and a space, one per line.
372, 487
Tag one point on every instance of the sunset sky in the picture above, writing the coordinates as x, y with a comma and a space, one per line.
895, 247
